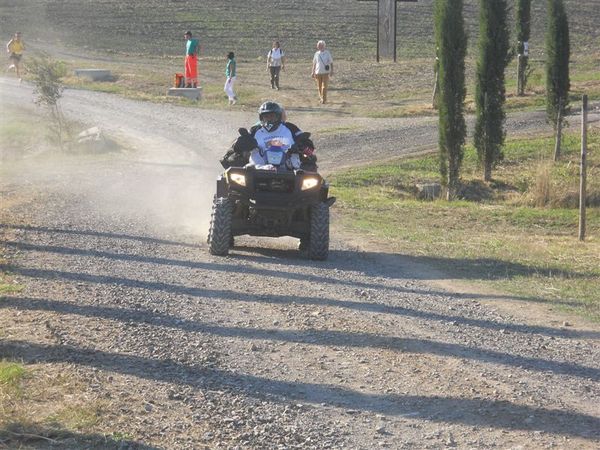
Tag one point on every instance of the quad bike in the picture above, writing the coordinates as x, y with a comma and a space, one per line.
274, 202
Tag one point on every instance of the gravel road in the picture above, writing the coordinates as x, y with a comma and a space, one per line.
264, 349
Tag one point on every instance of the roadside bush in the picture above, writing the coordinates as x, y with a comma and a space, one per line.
47, 75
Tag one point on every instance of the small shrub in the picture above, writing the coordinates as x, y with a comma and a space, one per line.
47, 76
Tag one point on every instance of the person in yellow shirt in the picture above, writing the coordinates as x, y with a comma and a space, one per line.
15, 49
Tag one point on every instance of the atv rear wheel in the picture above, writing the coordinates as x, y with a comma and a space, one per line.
219, 234
318, 245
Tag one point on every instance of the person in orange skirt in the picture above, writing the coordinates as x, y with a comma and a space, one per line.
192, 48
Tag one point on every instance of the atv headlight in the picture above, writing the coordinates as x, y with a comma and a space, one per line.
238, 178
309, 183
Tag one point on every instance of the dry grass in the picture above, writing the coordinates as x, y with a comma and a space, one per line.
495, 235
541, 188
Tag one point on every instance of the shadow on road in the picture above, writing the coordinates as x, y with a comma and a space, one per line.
94, 233
380, 265
353, 304
475, 412
26, 435
312, 337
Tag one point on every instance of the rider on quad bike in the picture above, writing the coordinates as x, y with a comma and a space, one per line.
272, 130
271, 188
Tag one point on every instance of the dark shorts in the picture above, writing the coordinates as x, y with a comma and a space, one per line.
14, 57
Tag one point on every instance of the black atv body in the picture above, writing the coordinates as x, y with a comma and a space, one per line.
271, 203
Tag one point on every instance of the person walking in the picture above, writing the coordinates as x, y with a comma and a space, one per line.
192, 48
322, 69
275, 64
15, 49
230, 74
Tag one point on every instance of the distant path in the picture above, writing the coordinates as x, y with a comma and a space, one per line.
207, 133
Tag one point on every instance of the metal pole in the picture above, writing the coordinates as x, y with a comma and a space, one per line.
583, 169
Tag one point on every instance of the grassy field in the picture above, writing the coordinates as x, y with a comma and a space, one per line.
141, 42
496, 235
155, 27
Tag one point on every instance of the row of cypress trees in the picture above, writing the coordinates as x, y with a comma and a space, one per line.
490, 92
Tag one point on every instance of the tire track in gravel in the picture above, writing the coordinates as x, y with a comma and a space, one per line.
263, 349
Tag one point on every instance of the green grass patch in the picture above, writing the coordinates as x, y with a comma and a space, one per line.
76, 417
10, 374
9, 288
494, 235
41, 404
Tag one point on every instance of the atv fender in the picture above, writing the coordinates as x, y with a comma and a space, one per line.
222, 186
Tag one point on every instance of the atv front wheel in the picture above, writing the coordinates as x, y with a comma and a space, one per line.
318, 245
219, 234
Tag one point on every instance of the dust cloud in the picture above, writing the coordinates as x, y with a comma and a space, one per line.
162, 188
169, 198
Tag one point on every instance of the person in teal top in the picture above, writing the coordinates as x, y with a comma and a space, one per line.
230, 74
192, 47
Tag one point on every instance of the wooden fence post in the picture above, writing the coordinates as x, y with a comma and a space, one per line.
583, 169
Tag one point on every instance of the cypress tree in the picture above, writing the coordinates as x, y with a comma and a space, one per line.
523, 34
490, 91
557, 61
451, 40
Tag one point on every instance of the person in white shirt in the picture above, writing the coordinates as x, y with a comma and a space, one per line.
322, 69
272, 131
275, 64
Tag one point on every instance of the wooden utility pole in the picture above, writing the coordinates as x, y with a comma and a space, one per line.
583, 169
386, 27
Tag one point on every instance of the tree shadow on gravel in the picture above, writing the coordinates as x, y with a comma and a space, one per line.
498, 414
26, 435
92, 233
470, 269
386, 265
310, 337
462, 268
359, 305
292, 258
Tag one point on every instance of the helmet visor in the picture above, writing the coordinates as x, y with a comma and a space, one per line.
270, 120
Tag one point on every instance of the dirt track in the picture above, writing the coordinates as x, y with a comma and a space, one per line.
263, 349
